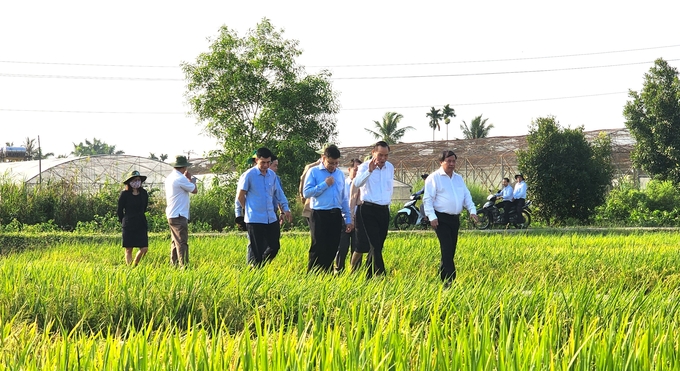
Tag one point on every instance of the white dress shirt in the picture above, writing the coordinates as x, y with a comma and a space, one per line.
446, 195
376, 186
520, 190
177, 190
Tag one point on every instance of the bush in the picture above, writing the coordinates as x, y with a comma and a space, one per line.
657, 205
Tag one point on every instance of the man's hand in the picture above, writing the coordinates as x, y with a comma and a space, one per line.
372, 164
474, 217
434, 223
349, 228
288, 216
240, 223
330, 180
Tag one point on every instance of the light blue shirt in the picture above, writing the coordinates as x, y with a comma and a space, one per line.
506, 193
324, 197
263, 193
520, 190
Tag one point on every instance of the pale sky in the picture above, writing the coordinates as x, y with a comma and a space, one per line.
474, 52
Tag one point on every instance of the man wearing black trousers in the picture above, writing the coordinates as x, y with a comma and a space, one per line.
325, 188
375, 179
445, 196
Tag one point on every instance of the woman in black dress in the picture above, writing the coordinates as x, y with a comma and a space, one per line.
132, 205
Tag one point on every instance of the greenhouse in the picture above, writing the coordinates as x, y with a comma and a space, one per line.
87, 174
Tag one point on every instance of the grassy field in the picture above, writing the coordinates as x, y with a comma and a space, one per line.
543, 301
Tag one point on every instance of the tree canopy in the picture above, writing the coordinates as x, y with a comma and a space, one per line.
388, 130
95, 147
477, 129
567, 177
249, 92
653, 118
435, 115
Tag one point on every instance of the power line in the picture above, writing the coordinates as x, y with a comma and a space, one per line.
343, 78
23, 75
492, 73
343, 109
366, 65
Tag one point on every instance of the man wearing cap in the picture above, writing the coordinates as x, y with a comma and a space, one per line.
259, 191
178, 185
520, 195
445, 197
375, 179
325, 188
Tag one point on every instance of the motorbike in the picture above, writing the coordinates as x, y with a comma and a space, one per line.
410, 214
491, 214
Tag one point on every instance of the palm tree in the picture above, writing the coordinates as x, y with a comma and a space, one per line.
477, 128
29, 144
434, 116
448, 112
387, 129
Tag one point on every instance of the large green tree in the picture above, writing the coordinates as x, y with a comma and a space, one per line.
435, 115
478, 128
95, 147
388, 130
249, 92
653, 118
567, 177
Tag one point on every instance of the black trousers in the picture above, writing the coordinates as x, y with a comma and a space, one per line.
372, 223
519, 205
264, 242
447, 233
507, 206
325, 227
346, 240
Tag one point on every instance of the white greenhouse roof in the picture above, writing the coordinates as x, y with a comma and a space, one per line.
89, 173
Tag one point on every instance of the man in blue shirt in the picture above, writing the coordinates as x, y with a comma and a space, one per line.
506, 195
325, 187
259, 191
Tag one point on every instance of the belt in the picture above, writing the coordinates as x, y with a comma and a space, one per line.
328, 211
373, 204
439, 212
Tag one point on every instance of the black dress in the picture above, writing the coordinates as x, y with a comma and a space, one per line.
131, 209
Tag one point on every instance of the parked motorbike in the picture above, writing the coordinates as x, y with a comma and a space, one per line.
491, 214
410, 215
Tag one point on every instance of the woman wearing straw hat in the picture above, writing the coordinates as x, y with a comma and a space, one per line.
132, 205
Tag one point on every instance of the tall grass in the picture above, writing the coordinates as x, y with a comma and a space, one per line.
521, 301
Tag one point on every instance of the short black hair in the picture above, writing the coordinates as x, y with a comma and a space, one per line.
507, 180
381, 143
332, 151
263, 152
446, 154
274, 158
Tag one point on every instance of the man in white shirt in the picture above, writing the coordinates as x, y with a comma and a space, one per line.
375, 180
520, 195
178, 185
445, 196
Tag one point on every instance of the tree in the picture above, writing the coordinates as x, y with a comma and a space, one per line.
477, 129
434, 115
387, 129
249, 92
163, 157
653, 118
447, 113
152, 156
96, 147
567, 177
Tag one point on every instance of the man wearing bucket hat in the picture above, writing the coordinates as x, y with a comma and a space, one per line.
520, 195
132, 204
178, 185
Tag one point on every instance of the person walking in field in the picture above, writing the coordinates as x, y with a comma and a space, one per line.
445, 196
348, 239
132, 204
178, 186
325, 188
259, 191
375, 180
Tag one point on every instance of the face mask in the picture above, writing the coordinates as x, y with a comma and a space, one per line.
136, 184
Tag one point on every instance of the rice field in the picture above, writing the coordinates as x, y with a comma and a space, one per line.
540, 301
